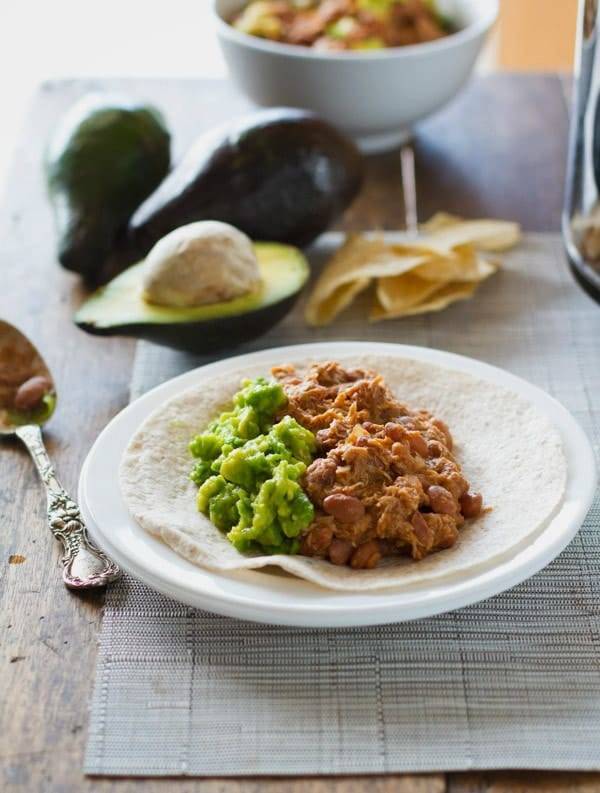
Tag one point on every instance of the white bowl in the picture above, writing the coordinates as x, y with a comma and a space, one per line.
375, 96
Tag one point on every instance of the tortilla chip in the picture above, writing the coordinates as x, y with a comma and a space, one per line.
446, 231
436, 299
464, 264
440, 220
444, 256
335, 302
351, 269
396, 295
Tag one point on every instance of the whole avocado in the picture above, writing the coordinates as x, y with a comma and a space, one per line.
282, 175
106, 156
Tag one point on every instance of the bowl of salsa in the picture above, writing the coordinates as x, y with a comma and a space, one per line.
374, 68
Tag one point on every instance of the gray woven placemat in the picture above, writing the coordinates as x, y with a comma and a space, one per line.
513, 682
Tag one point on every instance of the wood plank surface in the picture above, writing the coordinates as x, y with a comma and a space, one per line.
498, 150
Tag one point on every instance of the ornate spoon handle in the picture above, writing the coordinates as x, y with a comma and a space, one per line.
84, 565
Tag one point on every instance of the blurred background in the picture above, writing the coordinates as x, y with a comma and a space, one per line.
69, 38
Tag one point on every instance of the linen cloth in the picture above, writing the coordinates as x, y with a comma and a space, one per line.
512, 682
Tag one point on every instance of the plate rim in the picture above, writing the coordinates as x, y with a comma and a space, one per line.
437, 599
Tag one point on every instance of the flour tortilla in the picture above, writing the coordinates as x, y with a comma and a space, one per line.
509, 451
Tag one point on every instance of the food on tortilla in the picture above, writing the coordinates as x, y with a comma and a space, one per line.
385, 480
344, 24
248, 468
505, 447
443, 265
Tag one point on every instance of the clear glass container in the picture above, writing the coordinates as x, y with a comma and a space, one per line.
581, 212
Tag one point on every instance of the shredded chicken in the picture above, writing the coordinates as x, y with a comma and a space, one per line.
386, 480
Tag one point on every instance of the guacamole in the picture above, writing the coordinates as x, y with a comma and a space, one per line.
248, 470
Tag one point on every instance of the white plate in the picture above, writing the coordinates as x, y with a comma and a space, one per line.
281, 599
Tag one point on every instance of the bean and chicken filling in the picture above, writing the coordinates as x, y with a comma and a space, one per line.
386, 481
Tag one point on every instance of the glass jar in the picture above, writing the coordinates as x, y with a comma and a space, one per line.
581, 212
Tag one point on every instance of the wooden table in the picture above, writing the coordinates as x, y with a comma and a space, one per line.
498, 151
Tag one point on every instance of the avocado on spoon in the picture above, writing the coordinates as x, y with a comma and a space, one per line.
27, 401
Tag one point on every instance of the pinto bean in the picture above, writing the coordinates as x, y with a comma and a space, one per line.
434, 449
320, 478
371, 427
418, 444
346, 509
441, 500
424, 480
340, 551
366, 556
31, 392
420, 527
443, 427
470, 504
395, 431
317, 541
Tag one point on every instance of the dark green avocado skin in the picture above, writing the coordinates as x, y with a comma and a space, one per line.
281, 174
106, 156
207, 336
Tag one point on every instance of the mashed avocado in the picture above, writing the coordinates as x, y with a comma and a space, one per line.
248, 469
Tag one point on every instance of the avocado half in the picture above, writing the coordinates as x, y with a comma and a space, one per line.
120, 309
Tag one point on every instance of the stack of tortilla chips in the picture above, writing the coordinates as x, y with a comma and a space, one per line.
443, 265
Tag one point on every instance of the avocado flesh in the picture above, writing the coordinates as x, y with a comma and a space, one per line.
120, 308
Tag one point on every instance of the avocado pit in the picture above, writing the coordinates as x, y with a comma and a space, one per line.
200, 263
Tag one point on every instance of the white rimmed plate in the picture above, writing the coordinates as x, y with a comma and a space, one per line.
271, 597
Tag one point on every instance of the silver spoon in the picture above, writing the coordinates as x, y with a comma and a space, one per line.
27, 400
